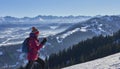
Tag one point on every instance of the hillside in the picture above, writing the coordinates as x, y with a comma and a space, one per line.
109, 62
85, 51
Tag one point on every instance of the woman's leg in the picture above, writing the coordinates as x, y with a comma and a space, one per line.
29, 65
40, 61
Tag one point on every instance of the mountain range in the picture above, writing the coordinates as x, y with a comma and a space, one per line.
44, 19
104, 25
74, 33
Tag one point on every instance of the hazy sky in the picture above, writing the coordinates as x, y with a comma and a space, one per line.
32, 8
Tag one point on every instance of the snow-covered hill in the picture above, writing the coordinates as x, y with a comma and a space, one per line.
103, 25
109, 62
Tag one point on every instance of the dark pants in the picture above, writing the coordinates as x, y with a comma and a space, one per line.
40, 61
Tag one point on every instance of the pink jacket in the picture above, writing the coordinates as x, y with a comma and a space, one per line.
34, 46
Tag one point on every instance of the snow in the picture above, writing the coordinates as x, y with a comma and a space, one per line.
95, 31
47, 43
10, 43
40, 19
94, 21
10, 66
54, 27
84, 29
109, 62
25, 62
21, 57
1, 53
58, 40
95, 27
63, 36
19, 50
14, 65
10, 36
70, 32
108, 18
101, 29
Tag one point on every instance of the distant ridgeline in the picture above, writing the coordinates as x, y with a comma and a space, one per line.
90, 49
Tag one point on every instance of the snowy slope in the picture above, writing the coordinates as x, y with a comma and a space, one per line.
109, 62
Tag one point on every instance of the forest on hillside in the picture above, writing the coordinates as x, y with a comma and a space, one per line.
87, 50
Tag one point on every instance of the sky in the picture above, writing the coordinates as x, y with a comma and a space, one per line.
32, 8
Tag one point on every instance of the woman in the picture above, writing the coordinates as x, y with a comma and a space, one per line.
34, 47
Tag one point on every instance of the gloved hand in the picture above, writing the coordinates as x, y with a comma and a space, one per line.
44, 41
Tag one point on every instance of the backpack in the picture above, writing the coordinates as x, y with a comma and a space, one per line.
25, 46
